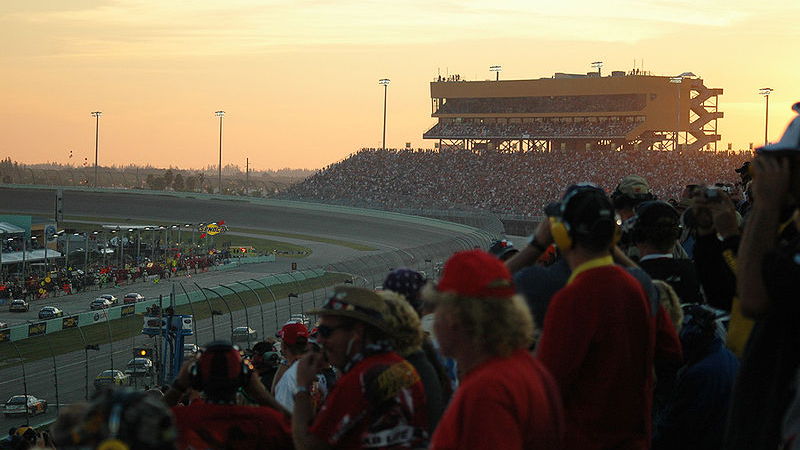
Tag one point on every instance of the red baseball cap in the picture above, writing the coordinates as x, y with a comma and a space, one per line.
476, 273
292, 331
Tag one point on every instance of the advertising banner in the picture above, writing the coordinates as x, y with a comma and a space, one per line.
37, 329
69, 322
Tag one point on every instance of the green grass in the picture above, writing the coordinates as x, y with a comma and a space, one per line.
65, 341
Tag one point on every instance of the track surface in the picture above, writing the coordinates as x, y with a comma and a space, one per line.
380, 233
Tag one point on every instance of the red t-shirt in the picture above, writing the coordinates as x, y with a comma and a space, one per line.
505, 403
599, 343
206, 425
379, 403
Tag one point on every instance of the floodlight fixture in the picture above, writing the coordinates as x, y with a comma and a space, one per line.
599, 66
496, 70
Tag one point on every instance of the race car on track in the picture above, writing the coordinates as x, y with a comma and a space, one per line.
114, 301
19, 305
132, 297
18, 405
99, 303
109, 378
50, 312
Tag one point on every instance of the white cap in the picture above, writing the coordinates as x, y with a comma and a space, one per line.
790, 141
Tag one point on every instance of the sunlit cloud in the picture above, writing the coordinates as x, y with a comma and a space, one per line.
125, 28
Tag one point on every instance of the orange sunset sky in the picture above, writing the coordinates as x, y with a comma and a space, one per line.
298, 79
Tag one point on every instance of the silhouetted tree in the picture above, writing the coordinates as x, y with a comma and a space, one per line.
177, 183
168, 177
191, 183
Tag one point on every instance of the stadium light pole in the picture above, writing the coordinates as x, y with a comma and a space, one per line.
766, 93
220, 114
96, 115
385, 83
496, 70
677, 82
599, 66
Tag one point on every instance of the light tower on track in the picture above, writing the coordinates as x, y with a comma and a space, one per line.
496, 70
766, 93
599, 66
385, 83
220, 114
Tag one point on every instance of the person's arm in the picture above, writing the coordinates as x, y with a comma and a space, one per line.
258, 392
180, 386
282, 368
531, 252
770, 186
303, 415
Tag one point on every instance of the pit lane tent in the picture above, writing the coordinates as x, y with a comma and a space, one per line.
30, 256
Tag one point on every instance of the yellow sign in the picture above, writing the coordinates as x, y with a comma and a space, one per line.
213, 229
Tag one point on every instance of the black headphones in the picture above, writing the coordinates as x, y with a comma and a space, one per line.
220, 367
564, 230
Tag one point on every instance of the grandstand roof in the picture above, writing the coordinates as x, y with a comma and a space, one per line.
553, 87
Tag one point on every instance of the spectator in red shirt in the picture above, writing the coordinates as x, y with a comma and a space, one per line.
506, 399
599, 338
379, 402
217, 421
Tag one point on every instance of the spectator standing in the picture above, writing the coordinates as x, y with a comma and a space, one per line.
294, 344
694, 416
599, 340
216, 420
117, 418
407, 338
379, 402
655, 232
768, 277
506, 399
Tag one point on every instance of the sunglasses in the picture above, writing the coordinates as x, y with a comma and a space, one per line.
325, 331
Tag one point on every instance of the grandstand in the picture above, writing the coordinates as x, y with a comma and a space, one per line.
624, 111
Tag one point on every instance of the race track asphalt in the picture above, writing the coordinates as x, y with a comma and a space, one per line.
384, 234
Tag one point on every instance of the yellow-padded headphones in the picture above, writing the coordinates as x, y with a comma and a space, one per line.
561, 229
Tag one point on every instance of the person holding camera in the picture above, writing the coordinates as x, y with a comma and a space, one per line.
765, 413
216, 420
379, 401
715, 224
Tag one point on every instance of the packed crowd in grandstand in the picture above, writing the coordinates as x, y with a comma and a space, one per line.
502, 182
550, 104
532, 130
625, 322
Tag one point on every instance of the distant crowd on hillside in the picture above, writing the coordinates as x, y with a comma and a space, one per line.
502, 182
